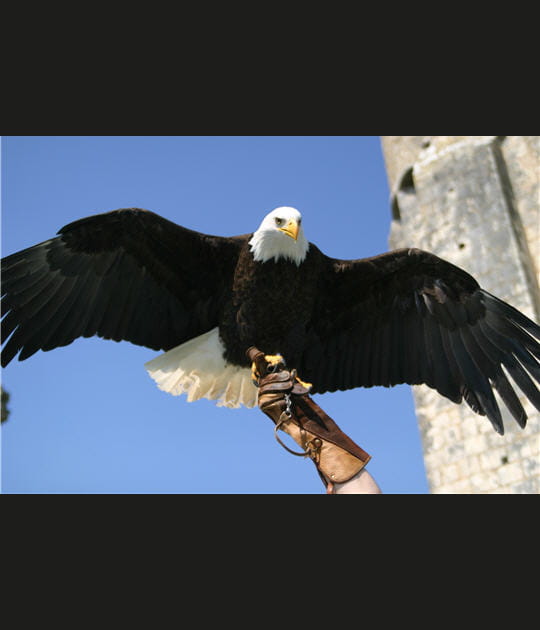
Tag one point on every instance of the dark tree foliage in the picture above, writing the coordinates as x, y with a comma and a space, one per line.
5, 400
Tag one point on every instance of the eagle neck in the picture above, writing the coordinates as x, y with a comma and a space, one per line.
269, 245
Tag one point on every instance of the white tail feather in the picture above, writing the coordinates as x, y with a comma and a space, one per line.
197, 368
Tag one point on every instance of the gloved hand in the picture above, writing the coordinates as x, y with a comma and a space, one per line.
288, 404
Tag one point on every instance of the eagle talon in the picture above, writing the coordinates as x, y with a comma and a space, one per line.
305, 384
255, 374
274, 359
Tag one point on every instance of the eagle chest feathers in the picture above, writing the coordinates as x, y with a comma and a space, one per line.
271, 307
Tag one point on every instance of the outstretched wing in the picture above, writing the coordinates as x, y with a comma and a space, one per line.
410, 317
128, 275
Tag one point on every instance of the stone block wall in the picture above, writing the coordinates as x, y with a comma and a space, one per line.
475, 201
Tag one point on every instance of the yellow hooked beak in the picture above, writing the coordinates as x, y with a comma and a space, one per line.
291, 229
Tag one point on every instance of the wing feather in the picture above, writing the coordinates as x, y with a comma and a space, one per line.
443, 379
394, 343
411, 317
46, 323
128, 275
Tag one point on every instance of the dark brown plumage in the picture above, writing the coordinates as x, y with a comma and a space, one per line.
125, 275
402, 317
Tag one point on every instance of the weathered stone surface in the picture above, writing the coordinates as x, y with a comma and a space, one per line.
521, 156
475, 201
400, 153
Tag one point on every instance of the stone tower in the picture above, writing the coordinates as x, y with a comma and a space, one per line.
475, 201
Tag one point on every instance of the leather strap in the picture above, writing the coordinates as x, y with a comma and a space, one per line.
315, 420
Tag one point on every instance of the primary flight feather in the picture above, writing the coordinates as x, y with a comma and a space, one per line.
405, 316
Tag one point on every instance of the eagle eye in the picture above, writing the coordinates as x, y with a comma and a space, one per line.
279, 221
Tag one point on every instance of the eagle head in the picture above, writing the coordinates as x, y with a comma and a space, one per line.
280, 235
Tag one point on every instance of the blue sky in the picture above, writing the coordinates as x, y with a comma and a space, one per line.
87, 418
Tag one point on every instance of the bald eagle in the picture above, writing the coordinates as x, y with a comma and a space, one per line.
405, 316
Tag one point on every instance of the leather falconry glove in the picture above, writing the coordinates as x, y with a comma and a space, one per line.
288, 404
